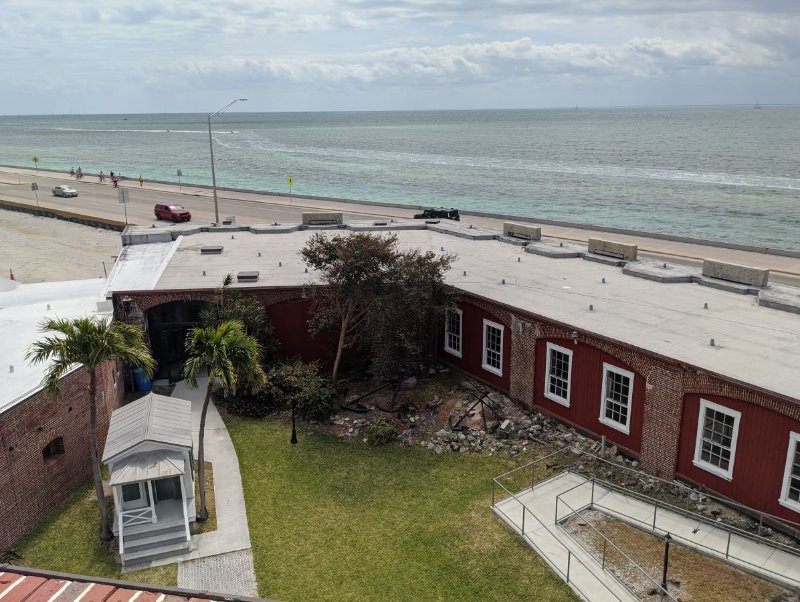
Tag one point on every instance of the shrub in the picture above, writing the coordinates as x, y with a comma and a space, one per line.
379, 431
302, 384
248, 405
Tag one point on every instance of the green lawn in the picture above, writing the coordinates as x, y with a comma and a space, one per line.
68, 541
337, 520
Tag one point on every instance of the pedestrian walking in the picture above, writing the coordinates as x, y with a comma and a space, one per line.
141, 180
115, 181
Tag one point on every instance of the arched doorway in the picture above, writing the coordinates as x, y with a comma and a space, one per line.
167, 326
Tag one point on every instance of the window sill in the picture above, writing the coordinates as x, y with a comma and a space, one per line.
452, 352
622, 428
559, 400
492, 369
791, 505
710, 468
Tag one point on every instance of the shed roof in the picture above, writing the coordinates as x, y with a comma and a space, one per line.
154, 418
147, 466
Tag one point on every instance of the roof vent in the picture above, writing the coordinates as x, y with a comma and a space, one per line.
247, 276
211, 250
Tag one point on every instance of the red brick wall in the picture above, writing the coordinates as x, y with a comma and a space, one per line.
471, 360
664, 418
30, 487
586, 388
760, 457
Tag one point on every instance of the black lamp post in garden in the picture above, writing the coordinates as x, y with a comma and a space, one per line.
667, 539
293, 440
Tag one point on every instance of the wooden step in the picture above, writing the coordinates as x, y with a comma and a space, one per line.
143, 556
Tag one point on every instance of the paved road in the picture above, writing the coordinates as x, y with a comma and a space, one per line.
101, 200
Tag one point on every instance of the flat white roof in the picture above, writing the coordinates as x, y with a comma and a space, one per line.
754, 344
21, 311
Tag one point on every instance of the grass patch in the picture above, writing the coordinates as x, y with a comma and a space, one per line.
68, 541
211, 504
336, 520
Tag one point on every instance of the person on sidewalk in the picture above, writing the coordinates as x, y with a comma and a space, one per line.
141, 180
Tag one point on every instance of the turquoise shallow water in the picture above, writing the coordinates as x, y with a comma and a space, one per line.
721, 173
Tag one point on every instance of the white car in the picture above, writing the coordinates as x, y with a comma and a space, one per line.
65, 191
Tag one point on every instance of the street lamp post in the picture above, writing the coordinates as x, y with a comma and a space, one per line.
211, 148
664, 589
293, 439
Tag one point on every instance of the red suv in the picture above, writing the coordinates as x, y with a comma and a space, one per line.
175, 213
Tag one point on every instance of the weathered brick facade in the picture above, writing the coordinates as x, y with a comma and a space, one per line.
32, 486
664, 428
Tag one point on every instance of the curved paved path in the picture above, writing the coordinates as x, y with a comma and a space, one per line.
221, 560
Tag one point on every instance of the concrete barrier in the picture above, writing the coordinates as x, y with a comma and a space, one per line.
525, 231
68, 216
735, 273
321, 218
613, 249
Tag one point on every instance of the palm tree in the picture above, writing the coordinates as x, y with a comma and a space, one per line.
233, 357
90, 342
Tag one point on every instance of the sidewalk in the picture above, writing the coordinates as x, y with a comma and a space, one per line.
221, 560
578, 493
785, 269
571, 562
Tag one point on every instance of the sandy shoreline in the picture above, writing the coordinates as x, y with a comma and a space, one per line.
43, 249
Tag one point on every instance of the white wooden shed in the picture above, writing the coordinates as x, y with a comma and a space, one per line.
149, 455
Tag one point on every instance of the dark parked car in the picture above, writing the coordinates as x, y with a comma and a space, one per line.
174, 213
439, 213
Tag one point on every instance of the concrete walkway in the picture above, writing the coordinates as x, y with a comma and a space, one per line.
221, 560
577, 493
571, 562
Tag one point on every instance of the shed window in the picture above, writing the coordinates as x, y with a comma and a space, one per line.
53, 449
717, 430
615, 410
790, 494
131, 492
452, 332
493, 347
559, 369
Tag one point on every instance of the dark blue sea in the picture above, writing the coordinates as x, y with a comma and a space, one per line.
720, 173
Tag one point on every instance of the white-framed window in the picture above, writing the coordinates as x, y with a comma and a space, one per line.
558, 374
617, 398
493, 347
790, 493
452, 332
717, 430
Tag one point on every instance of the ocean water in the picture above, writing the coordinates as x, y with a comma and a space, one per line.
720, 173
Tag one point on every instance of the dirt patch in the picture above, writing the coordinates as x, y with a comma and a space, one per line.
689, 572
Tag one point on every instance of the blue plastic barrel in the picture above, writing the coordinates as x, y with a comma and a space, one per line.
141, 381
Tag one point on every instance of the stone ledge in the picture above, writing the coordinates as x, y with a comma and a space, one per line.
556, 250
660, 271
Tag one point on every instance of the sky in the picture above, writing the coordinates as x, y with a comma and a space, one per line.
152, 56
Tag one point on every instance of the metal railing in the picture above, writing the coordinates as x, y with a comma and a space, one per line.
565, 573
606, 542
652, 525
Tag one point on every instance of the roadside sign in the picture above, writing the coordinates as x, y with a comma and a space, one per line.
122, 193
180, 173
290, 180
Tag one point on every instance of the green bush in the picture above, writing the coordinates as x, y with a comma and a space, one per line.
302, 384
379, 431
248, 405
